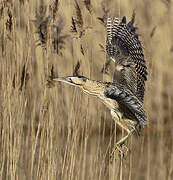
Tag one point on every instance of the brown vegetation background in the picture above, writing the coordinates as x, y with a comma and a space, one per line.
57, 132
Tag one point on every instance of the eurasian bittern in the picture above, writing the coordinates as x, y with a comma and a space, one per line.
124, 96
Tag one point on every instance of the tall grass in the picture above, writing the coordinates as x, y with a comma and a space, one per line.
55, 131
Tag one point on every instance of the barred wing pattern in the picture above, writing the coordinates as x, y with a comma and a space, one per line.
130, 104
123, 43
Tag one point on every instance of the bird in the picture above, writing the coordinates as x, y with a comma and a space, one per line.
125, 94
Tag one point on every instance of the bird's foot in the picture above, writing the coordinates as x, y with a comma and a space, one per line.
122, 151
121, 147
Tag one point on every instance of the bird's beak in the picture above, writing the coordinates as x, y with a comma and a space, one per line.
63, 79
72, 80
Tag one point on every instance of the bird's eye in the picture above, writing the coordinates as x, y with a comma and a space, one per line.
70, 79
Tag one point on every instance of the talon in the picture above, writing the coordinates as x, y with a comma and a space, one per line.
122, 149
121, 155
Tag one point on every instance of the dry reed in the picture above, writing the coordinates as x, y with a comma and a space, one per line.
58, 132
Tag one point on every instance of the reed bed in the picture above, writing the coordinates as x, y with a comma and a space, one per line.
54, 131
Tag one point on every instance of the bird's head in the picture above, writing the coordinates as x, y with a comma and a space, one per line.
73, 80
87, 85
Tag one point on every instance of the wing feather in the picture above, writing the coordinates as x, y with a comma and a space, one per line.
123, 43
128, 102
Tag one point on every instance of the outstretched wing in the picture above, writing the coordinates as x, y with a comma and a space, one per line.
129, 103
125, 49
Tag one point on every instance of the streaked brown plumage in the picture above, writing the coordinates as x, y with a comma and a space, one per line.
124, 47
124, 96
126, 109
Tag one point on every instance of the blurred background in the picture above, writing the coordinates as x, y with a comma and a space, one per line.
54, 131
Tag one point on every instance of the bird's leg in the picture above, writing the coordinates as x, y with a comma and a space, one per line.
124, 124
122, 140
120, 145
